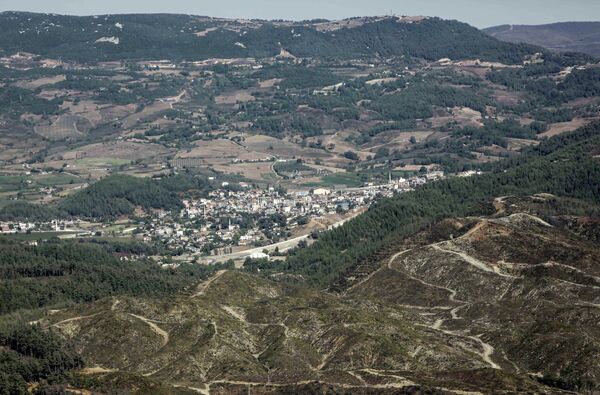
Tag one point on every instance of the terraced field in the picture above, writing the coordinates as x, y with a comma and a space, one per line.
64, 127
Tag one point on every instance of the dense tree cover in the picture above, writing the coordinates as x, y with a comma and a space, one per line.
299, 77
291, 167
562, 166
553, 115
538, 80
30, 354
399, 125
18, 211
39, 72
120, 194
399, 103
56, 272
306, 126
276, 126
417, 99
430, 39
496, 132
186, 182
113, 196
560, 143
172, 37
176, 136
126, 247
351, 155
17, 101
269, 126
105, 90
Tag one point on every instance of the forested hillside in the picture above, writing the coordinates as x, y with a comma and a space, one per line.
110, 197
29, 354
564, 165
61, 273
117, 195
107, 37
56, 274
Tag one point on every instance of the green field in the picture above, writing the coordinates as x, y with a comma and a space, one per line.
104, 161
54, 179
11, 183
354, 180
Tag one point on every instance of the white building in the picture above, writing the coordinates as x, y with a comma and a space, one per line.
321, 192
259, 255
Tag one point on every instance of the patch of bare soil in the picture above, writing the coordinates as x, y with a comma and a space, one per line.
564, 127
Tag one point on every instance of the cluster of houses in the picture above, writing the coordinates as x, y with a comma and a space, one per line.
56, 225
234, 218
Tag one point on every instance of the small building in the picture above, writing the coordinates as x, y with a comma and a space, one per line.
321, 192
259, 255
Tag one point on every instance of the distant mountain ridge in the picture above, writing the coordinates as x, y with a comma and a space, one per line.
188, 37
564, 37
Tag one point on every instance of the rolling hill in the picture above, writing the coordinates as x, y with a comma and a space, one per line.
108, 37
480, 285
493, 303
563, 37
482, 280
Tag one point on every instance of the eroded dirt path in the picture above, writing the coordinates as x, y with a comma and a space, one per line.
96, 370
155, 328
203, 287
370, 276
396, 385
83, 317
479, 264
485, 350
467, 258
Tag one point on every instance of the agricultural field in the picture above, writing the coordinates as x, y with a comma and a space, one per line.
375, 205
261, 172
39, 82
116, 151
65, 126
345, 118
564, 127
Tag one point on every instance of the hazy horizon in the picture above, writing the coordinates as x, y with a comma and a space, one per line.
477, 13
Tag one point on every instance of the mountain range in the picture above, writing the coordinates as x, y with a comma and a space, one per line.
186, 37
562, 37
445, 186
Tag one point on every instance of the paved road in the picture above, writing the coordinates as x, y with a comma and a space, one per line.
283, 246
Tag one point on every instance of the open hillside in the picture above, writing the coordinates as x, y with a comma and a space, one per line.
563, 37
505, 302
